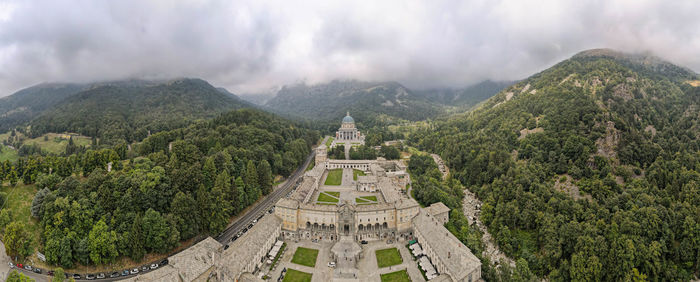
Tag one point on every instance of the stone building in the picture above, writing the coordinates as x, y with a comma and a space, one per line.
248, 253
448, 254
439, 211
196, 263
367, 183
348, 131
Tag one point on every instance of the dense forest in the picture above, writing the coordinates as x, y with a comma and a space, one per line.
129, 111
97, 205
589, 170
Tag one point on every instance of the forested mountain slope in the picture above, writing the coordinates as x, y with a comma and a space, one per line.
27, 103
171, 187
589, 170
128, 111
363, 99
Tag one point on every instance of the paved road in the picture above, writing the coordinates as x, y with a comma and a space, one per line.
264, 206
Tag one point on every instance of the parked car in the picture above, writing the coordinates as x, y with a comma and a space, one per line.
226, 247
28, 267
125, 273
164, 262
37, 270
250, 226
144, 268
154, 266
115, 274
363, 242
331, 264
134, 271
90, 276
101, 276
50, 273
11, 265
19, 265
76, 276
245, 229
255, 221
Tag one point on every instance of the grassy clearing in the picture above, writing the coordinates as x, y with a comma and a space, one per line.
6, 153
360, 201
323, 197
398, 276
297, 276
19, 202
335, 177
356, 173
388, 257
305, 256
56, 143
334, 194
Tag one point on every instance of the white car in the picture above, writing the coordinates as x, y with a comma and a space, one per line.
154, 266
11, 265
331, 264
134, 271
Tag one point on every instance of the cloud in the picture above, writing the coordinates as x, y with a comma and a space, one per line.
250, 46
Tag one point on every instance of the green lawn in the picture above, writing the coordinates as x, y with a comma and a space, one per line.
335, 177
359, 200
7, 154
328, 143
398, 276
369, 198
297, 276
356, 173
324, 197
305, 256
388, 257
19, 201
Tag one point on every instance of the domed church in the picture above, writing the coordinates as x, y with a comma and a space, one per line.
348, 132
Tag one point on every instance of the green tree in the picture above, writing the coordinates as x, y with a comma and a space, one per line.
58, 275
36, 208
17, 240
158, 233
136, 239
251, 182
209, 172
15, 276
103, 247
265, 177
184, 209
241, 197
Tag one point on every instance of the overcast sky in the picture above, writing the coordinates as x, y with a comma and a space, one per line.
251, 46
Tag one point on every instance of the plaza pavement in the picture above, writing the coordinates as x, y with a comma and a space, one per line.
367, 265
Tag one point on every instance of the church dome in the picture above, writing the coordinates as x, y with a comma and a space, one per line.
348, 119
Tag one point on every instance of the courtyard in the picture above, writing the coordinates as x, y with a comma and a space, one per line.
367, 266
